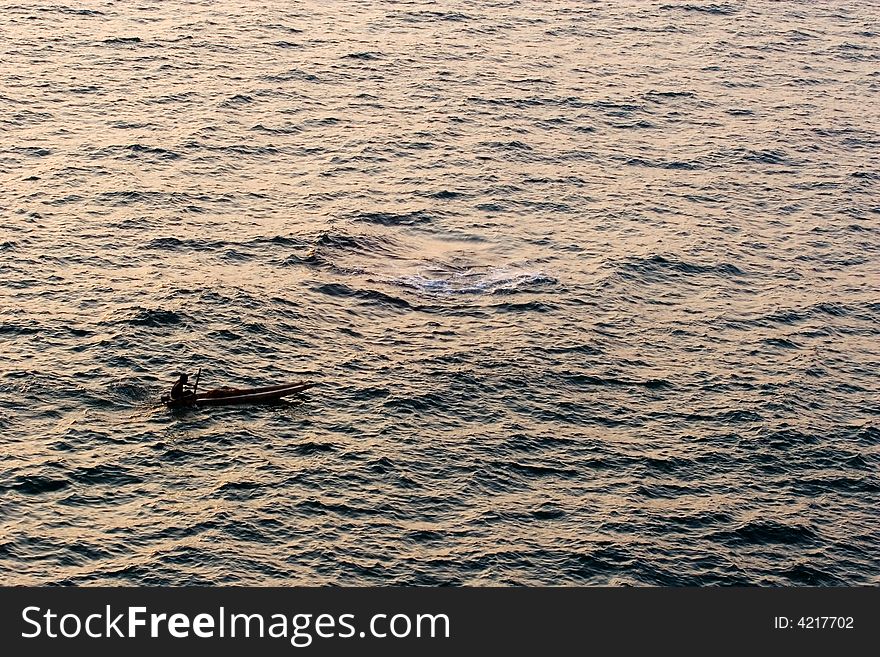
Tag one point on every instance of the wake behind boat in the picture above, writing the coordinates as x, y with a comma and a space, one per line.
229, 396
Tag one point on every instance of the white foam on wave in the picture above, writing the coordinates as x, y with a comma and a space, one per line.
475, 281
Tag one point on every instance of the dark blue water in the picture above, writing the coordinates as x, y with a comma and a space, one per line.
591, 292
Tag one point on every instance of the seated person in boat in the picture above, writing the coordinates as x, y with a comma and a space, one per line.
178, 390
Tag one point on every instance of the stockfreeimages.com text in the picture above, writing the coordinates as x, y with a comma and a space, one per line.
301, 629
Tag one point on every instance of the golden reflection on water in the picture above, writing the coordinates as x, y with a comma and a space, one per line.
589, 290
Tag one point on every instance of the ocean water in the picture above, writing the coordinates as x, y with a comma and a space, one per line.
591, 292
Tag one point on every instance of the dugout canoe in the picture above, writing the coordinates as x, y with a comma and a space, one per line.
227, 396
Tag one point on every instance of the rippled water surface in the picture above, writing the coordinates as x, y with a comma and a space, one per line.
591, 291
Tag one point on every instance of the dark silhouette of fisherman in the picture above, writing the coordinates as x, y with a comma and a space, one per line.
178, 390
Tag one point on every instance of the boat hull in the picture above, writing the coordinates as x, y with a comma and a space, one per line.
235, 396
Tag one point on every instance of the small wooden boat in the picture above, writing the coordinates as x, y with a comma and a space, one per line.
227, 396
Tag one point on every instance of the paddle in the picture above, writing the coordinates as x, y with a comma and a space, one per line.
196, 385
